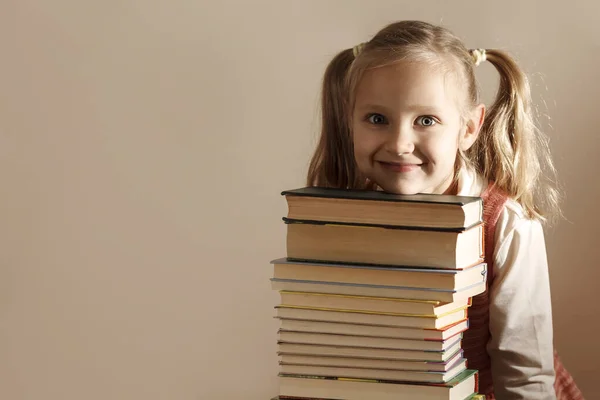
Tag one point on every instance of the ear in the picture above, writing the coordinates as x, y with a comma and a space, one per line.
474, 123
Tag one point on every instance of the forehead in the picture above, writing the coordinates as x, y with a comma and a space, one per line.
405, 84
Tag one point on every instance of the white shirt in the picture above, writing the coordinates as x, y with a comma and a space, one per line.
521, 345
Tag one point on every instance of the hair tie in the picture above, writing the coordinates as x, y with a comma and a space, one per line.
356, 50
479, 56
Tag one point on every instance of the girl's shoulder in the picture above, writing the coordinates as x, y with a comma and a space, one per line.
512, 218
513, 210
512, 214
516, 236
515, 232
471, 183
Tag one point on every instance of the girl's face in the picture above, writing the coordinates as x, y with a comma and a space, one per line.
407, 127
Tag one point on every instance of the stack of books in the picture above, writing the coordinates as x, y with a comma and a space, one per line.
375, 290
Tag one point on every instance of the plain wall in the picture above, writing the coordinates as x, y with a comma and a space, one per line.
143, 147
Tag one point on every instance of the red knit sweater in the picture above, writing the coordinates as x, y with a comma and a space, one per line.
478, 334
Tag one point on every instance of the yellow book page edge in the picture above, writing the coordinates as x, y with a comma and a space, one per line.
373, 312
434, 302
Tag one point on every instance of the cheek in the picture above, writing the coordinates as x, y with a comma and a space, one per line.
360, 142
365, 142
442, 149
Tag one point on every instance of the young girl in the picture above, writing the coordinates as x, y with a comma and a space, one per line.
401, 113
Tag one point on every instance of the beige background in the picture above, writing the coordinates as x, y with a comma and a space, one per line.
143, 146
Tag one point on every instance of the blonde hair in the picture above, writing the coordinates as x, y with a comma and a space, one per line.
510, 151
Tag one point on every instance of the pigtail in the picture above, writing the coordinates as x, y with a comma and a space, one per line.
332, 164
511, 150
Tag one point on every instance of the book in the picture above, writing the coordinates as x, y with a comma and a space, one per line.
474, 396
424, 278
370, 318
373, 330
375, 363
360, 289
459, 388
366, 352
380, 208
384, 245
378, 374
366, 341
366, 303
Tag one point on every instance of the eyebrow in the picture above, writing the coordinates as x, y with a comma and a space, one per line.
412, 107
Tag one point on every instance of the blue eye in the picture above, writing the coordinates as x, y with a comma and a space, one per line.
426, 120
377, 119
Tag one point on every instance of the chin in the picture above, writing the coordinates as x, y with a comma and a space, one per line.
403, 188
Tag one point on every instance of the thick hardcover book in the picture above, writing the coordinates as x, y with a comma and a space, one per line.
381, 208
459, 388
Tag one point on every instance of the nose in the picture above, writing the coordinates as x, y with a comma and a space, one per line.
402, 140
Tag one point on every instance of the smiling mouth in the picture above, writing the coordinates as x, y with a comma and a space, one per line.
399, 167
